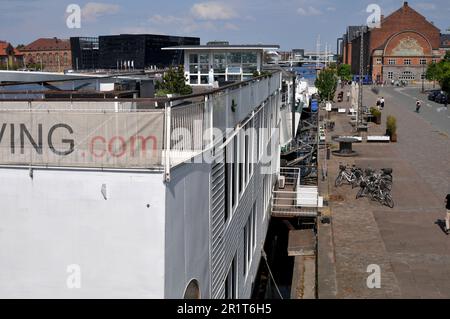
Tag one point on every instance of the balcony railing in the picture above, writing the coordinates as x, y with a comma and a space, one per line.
126, 133
293, 199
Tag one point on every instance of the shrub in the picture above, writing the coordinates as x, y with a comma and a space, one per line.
391, 125
375, 112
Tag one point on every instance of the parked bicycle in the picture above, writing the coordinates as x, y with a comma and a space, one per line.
348, 175
376, 185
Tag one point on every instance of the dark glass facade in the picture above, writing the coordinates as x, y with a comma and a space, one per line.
85, 53
141, 51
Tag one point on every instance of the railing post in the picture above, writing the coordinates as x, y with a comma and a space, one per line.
166, 152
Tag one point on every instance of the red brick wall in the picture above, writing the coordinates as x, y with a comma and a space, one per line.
402, 20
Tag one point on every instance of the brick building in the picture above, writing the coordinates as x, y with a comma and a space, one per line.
399, 50
10, 57
54, 54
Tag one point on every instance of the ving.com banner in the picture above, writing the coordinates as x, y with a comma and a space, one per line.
109, 140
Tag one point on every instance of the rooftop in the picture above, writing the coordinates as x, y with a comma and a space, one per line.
47, 44
225, 47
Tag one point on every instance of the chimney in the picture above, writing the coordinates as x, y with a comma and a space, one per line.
405, 4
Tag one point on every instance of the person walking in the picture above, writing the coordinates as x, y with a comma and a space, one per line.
378, 103
382, 103
418, 106
447, 218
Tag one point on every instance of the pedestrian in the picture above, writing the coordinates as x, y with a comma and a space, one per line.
378, 103
382, 103
348, 96
418, 106
447, 218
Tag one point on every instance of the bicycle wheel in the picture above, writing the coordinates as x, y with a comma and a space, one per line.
338, 181
389, 202
360, 193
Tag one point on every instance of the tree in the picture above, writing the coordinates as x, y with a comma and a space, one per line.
326, 83
344, 72
440, 72
174, 82
433, 72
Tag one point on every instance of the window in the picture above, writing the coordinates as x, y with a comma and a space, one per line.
407, 75
193, 79
192, 291
433, 61
249, 239
234, 171
228, 183
423, 61
379, 60
390, 75
231, 282
219, 63
193, 64
254, 220
407, 61
249, 62
204, 63
391, 61
241, 162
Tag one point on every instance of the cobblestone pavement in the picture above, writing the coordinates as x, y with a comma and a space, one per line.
406, 242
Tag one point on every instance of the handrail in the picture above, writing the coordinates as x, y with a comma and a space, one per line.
223, 88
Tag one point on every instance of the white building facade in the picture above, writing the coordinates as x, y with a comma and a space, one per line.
207, 64
101, 201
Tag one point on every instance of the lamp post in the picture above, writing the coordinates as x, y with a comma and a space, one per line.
423, 75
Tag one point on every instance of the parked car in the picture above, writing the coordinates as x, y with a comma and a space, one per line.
442, 98
433, 94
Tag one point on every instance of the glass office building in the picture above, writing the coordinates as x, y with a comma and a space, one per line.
85, 53
140, 51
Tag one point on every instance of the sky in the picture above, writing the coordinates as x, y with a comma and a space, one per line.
288, 23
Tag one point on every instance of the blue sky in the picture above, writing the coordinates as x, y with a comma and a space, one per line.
289, 23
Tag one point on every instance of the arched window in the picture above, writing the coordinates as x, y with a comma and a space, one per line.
192, 291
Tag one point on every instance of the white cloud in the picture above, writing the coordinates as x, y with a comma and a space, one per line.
213, 10
93, 10
332, 9
309, 11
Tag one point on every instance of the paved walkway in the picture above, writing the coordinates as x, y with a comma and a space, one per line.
406, 242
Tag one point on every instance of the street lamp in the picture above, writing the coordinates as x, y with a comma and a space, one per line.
423, 74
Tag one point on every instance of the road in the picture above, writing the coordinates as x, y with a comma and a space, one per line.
406, 243
436, 114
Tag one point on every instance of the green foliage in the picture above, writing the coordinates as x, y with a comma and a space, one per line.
440, 72
13, 67
391, 125
375, 112
35, 66
326, 83
344, 72
174, 82
434, 73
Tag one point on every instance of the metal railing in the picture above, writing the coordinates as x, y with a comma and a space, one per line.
189, 116
294, 199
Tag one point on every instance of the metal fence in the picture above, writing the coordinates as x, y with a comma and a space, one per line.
122, 133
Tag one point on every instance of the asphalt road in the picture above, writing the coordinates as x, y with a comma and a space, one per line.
436, 114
